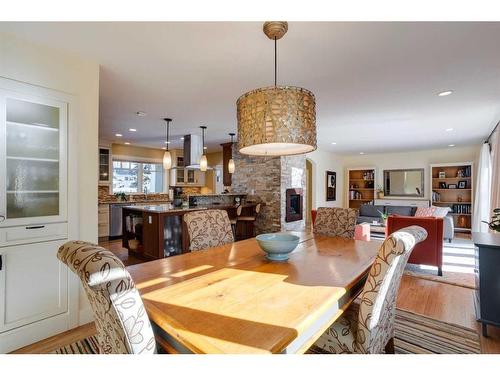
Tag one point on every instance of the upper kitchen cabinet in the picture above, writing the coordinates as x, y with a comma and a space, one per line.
104, 165
33, 161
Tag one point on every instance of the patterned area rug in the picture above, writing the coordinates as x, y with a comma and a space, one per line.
85, 346
415, 334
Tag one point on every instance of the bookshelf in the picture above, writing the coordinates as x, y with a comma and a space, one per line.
452, 186
361, 187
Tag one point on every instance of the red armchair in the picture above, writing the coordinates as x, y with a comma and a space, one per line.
428, 252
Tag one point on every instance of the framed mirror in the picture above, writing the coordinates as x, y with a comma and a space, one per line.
404, 182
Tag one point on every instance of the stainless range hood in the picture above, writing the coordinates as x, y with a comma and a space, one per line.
193, 149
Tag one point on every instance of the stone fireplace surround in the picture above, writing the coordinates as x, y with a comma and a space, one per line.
267, 179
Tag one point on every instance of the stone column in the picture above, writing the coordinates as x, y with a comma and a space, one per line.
268, 178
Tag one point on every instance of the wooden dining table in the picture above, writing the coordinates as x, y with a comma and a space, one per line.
232, 299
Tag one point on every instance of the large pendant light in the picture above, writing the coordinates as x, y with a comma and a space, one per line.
276, 120
230, 163
167, 156
203, 160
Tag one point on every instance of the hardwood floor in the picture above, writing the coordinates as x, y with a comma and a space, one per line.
445, 302
57, 341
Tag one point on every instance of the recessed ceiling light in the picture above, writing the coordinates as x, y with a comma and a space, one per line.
167, 142
449, 129
361, 153
132, 130
127, 143
445, 93
452, 145
141, 114
334, 143
182, 138
204, 147
118, 135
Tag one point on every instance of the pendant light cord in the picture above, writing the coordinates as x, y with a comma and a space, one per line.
275, 61
203, 139
168, 128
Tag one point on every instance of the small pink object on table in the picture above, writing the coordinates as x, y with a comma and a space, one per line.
362, 232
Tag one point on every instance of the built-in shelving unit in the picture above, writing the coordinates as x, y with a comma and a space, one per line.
459, 197
361, 187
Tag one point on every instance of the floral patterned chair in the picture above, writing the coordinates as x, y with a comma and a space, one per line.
123, 326
335, 222
368, 327
208, 228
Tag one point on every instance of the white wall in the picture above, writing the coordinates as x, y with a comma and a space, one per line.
411, 159
323, 161
43, 66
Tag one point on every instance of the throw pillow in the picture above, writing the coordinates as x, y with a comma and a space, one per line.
440, 211
424, 212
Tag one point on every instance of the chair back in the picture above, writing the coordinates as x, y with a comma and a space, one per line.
336, 222
257, 208
377, 308
208, 228
123, 326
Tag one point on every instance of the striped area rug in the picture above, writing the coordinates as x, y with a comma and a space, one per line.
85, 346
415, 334
418, 334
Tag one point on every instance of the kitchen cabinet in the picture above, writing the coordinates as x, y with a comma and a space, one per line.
34, 284
38, 296
186, 177
227, 154
105, 166
103, 221
33, 161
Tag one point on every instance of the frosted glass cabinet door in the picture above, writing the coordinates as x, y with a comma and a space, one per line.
33, 159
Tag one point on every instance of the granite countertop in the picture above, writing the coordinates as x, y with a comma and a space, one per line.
217, 195
168, 208
162, 208
151, 201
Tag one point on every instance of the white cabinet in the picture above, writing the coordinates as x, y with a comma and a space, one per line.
103, 220
38, 295
186, 177
34, 284
33, 161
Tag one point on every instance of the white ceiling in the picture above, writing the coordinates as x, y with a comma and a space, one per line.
375, 83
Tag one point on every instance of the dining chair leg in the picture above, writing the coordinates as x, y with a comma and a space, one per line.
389, 347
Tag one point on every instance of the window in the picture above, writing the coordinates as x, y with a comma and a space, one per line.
135, 177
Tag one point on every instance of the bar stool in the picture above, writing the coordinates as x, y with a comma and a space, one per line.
251, 218
234, 220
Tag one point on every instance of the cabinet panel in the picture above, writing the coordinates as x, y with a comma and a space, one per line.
32, 233
33, 284
33, 159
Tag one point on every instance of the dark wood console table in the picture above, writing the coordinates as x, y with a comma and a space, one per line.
487, 274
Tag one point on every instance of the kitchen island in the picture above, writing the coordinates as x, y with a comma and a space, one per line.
158, 231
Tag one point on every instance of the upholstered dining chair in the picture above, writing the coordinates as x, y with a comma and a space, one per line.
368, 326
335, 222
208, 228
122, 324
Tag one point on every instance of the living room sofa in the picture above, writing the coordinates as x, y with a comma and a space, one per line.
369, 213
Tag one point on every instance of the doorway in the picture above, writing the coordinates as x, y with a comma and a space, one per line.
309, 192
